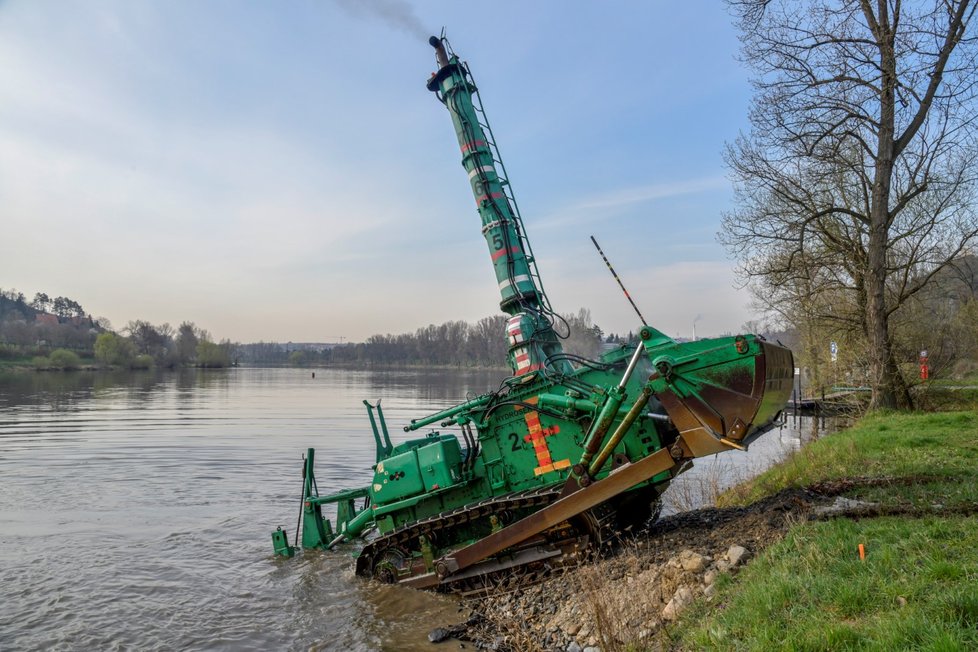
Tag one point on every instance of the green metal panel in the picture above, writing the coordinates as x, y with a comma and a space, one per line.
316, 530
396, 478
439, 463
280, 542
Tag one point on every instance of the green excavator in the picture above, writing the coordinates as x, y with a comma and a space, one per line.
541, 472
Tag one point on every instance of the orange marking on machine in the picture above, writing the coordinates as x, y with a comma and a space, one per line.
537, 437
552, 430
473, 144
502, 252
488, 196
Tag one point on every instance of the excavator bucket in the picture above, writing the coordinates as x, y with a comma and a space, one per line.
722, 393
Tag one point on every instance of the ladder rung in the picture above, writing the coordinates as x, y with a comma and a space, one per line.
507, 190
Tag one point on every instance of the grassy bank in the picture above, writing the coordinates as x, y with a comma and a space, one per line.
917, 478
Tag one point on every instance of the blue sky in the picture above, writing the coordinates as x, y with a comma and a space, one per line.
278, 170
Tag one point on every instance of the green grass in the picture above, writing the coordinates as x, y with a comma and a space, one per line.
955, 395
27, 362
916, 590
918, 586
940, 446
949, 382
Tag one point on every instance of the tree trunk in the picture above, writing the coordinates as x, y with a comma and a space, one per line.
877, 329
900, 388
816, 379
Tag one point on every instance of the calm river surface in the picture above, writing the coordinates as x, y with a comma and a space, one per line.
136, 510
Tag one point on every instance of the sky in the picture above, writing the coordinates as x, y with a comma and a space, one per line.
278, 171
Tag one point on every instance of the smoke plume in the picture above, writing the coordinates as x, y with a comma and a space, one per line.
396, 13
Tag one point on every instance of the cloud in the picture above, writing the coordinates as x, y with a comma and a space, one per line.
248, 173
651, 192
165, 216
671, 296
611, 203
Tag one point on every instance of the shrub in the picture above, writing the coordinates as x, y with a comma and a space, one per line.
65, 359
110, 349
41, 363
213, 355
142, 361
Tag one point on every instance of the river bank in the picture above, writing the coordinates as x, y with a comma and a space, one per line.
29, 365
778, 564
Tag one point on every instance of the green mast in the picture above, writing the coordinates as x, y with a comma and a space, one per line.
533, 342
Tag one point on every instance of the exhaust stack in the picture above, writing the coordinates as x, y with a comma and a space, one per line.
441, 57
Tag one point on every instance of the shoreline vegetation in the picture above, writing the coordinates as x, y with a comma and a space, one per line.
865, 539
86, 364
48, 334
58, 335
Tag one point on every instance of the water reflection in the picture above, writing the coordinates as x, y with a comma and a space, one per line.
135, 509
710, 476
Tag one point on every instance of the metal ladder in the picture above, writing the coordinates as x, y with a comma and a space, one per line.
507, 189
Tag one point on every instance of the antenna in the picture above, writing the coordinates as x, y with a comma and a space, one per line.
620, 284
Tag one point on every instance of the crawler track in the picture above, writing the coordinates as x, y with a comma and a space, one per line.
405, 555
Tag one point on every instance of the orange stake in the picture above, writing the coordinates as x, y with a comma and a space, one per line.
862, 553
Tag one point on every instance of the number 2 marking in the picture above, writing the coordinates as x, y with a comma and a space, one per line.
516, 441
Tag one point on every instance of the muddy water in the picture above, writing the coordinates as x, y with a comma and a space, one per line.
136, 510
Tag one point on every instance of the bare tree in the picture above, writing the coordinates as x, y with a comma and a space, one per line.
856, 182
151, 340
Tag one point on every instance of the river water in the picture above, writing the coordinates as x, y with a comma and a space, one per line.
136, 509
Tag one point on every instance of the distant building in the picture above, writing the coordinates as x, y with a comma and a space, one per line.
46, 318
81, 322
318, 347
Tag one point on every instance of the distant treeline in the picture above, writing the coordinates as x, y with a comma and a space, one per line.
43, 323
145, 345
58, 334
453, 343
